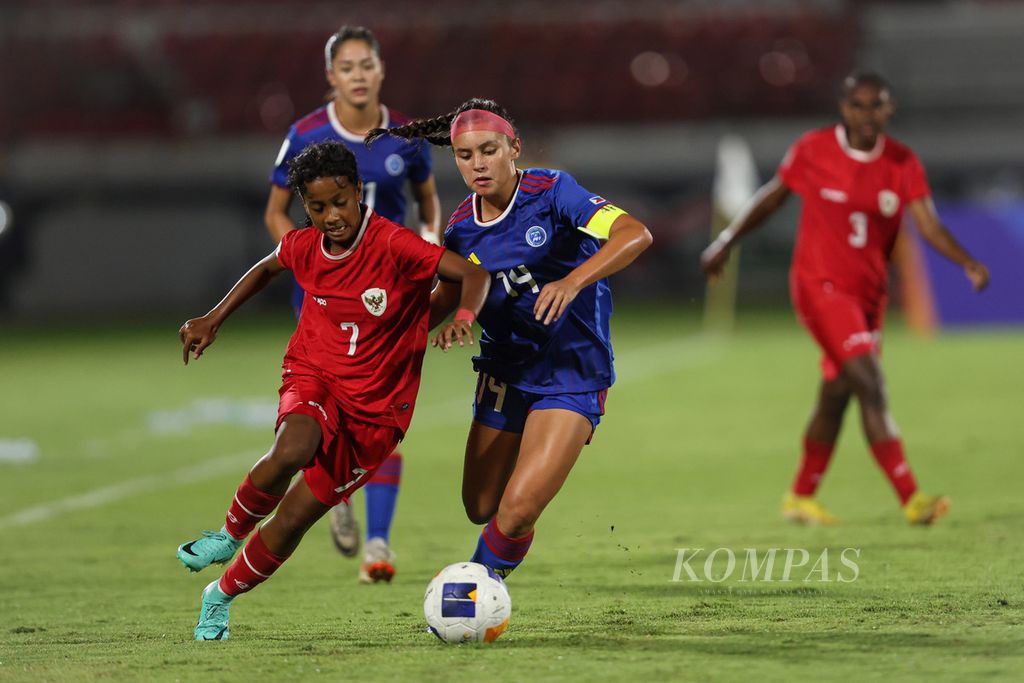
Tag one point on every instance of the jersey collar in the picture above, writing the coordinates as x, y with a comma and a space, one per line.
504, 214
345, 133
859, 154
367, 211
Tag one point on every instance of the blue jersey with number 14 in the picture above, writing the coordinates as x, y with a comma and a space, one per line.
550, 227
384, 167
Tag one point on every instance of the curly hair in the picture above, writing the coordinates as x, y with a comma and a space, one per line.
437, 131
322, 160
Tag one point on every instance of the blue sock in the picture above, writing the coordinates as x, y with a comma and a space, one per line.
381, 496
499, 552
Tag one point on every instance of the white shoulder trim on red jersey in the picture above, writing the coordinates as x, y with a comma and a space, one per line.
508, 209
858, 154
345, 133
359, 238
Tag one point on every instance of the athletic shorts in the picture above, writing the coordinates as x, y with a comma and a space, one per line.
844, 326
351, 450
503, 406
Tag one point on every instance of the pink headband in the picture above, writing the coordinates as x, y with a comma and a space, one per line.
480, 119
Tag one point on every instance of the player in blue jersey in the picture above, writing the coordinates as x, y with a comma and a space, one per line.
356, 72
545, 361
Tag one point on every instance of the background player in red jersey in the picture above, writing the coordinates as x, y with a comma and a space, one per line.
351, 370
356, 73
854, 184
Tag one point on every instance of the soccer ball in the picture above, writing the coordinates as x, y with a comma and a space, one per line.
467, 602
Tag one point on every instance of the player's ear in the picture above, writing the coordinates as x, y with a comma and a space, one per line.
359, 191
517, 148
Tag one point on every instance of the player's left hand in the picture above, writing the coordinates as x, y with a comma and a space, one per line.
553, 299
977, 273
196, 334
457, 330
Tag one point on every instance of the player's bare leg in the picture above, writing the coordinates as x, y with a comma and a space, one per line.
868, 383
550, 444
295, 443
799, 504
266, 551
552, 441
490, 458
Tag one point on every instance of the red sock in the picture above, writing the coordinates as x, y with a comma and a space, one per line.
812, 467
889, 456
248, 507
254, 565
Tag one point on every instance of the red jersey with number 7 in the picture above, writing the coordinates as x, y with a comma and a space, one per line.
364, 317
852, 207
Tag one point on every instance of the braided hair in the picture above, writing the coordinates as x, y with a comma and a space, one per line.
437, 131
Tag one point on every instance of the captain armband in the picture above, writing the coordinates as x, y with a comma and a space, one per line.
600, 224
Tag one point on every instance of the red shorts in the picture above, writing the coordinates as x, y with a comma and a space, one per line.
351, 450
843, 325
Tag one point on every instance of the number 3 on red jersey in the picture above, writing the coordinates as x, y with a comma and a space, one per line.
859, 237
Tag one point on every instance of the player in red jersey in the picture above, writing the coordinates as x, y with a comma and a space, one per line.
854, 184
355, 71
351, 370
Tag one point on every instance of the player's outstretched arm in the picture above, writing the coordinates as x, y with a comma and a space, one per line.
627, 239
473, 284
763, 204
443, 301
198, 333
935, 233
276, 214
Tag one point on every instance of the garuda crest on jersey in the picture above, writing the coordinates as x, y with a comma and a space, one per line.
376, 301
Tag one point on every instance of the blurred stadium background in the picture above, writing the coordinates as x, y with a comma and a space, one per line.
137, 136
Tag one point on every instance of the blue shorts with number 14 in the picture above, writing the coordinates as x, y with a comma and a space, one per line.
503, 406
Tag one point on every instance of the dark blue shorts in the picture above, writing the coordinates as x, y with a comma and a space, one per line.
503, 406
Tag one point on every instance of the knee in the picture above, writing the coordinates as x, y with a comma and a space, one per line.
871, 391
291, 452
478, 511
517, 515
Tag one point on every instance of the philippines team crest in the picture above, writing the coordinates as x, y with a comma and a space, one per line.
888, 203
376, 301
536, 236
394, 164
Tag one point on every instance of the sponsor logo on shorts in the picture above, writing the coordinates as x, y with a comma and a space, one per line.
318, 407
888, 203
861, 339
536, 236
837, 196
376, 301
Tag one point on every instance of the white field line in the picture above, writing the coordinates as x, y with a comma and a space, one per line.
632, 366
131, 487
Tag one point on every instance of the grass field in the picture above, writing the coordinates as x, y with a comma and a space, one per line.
138, 453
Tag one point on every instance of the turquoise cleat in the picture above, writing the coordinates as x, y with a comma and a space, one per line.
213, 616
215, 547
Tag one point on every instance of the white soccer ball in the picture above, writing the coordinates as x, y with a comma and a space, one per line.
467, 602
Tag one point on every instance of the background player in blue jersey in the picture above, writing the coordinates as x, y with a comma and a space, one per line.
545, 360
356, 72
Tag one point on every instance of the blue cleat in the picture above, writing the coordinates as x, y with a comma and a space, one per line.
213, 616
215, 547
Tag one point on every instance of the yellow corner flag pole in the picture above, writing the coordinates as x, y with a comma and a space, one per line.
735, 183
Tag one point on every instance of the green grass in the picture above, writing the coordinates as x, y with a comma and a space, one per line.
696, 450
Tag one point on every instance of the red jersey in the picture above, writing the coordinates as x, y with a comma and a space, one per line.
852, 207
364, 317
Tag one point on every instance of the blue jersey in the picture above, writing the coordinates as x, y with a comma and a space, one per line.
550, 227
383, 168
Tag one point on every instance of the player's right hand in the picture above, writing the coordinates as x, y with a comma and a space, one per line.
977, 273
457, 330
196, 334
713, 259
